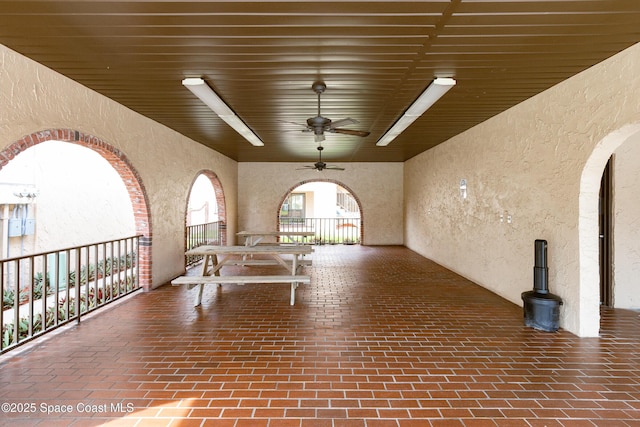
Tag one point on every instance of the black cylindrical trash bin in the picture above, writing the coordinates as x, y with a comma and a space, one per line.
541, 308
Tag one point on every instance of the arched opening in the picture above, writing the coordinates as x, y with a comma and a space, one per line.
202, 206
70, 189
121, 165
326, 207
588, 301
205, 214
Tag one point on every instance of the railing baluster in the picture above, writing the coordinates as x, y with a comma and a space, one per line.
125, 269
43, 297
136, 280
78, 260
109, 295
120, 268
30, 284
67, 300
56, 287
87, 264
16, 302
130, 264
100, 289
92, 296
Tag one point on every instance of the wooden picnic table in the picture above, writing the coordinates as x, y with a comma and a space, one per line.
216, 257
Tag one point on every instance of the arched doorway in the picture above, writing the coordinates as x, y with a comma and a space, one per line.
205, 214
124, 168
326, 207
588, 301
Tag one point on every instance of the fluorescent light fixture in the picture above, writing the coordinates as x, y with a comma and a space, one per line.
200, 89
436, 89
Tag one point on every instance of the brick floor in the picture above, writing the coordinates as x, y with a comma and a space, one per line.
381, 338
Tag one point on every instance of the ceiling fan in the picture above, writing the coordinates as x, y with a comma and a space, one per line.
320, 165
319, 125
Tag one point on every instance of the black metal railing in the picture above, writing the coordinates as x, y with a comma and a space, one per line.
44, 291
327, 230
202, 234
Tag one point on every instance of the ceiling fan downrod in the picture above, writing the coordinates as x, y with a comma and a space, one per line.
319, 88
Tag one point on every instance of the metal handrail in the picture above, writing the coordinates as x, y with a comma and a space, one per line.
43, 291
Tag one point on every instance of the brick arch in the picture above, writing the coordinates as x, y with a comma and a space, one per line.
333, 181
220, 201
119, 161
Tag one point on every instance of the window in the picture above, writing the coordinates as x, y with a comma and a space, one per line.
293, 207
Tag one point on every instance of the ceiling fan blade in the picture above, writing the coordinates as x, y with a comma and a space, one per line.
304, 125
343, 122
320, 169
361, 133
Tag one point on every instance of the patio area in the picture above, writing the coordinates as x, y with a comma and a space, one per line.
381, 338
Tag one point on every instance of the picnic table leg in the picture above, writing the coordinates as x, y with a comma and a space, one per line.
213, 259
205, 263
199, 295
294, 271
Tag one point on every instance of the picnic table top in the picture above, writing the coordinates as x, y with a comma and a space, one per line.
275, 233
241, 250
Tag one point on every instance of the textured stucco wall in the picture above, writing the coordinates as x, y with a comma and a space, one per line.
626, 225
378, 186
527, 162
34, 98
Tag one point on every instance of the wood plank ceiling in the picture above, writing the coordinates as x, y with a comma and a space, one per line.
375, 57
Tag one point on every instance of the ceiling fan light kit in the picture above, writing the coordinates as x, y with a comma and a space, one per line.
202, 90
319, 124
430, 96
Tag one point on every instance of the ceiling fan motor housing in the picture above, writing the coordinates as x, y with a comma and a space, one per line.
319, 87
318, 124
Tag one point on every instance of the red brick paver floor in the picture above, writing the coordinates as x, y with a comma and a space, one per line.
381, 338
